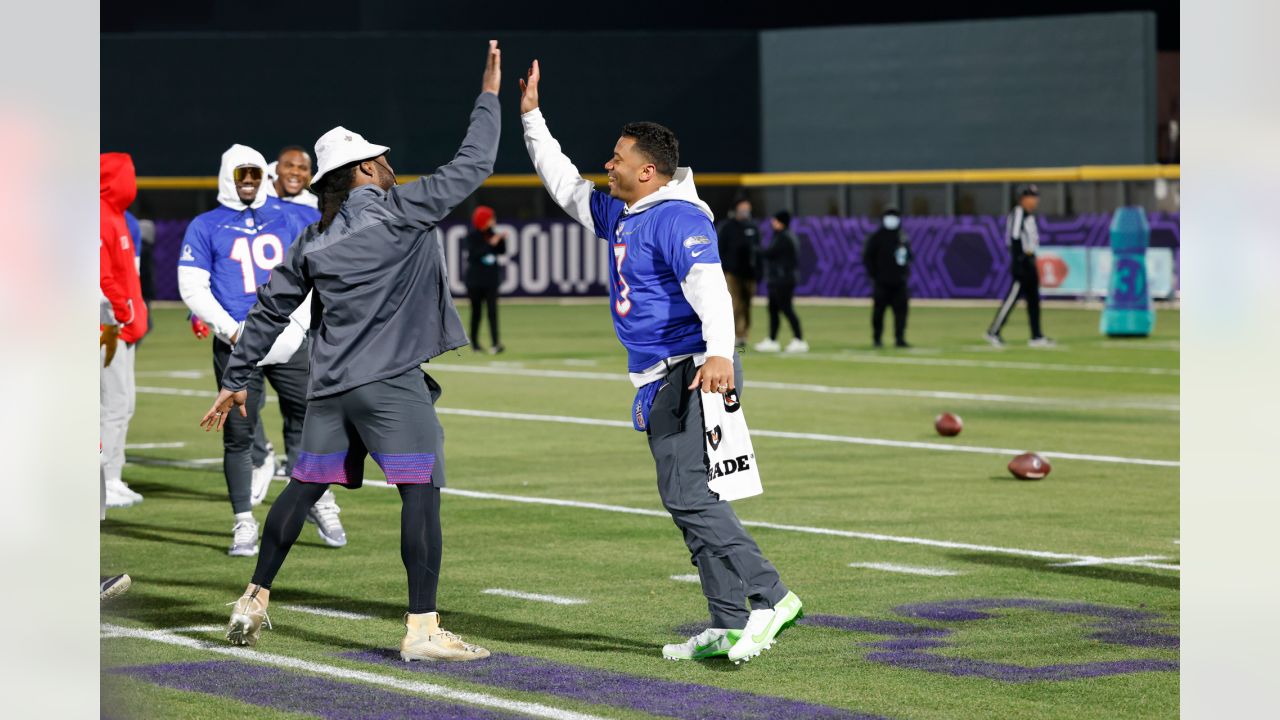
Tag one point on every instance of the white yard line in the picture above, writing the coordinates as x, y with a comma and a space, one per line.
439, 692
825, 389
553, 599
154, 446
686, 578
820, 437
324, 612
988, 364
1134, 560
905, 569
1047, 555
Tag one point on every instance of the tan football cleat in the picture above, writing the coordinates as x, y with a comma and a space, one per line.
425, 640
248, 615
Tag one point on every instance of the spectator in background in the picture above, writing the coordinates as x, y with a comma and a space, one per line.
484, 275
781, 264
739, 245
289, 176
887, 258
1023, 238
124, 322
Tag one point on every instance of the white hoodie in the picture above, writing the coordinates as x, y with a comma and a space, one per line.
704, 287
193, 283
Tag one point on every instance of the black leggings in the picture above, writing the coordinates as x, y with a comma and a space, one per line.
483, 296
780, 297
420, 536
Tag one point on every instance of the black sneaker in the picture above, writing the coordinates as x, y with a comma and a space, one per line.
901, 344
477, 347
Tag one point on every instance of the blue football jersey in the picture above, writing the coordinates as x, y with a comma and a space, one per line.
238, 248
653, 250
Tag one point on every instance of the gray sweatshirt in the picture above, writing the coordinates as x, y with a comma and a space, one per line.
381, 302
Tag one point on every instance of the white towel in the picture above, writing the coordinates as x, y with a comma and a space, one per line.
733, 473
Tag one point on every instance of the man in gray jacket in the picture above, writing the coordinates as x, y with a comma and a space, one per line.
381, 307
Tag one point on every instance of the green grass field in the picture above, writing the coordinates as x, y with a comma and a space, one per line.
1063, 602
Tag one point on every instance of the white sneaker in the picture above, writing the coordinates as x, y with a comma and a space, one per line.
763, 627
244, 539
121, 495
117, 499
1041, 342
797, 346
768, 345
712, 642
262, 476
995, 340
325, 515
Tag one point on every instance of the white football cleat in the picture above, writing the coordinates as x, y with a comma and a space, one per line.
712, 642
768, 345
797, 346
247, 616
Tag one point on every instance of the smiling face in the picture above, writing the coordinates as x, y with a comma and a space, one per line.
247, 179
627, 169
293, 173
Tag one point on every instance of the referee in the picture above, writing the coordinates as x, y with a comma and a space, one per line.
1023, 238
381, 309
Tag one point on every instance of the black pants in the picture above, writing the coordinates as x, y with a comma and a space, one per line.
483, 296
780, 303
420, 536
889, 295
1026, 284
290, 383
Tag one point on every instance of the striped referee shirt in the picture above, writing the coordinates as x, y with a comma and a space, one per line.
1021, 233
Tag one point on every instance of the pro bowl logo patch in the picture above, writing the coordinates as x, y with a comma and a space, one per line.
696, 240
187, 254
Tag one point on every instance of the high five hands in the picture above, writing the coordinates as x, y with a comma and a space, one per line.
529, 89
492, 70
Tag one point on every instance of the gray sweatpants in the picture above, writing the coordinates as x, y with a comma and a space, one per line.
116, 403
729, 562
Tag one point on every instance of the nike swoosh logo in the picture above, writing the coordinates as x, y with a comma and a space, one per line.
697, 253
764, 634
709, 646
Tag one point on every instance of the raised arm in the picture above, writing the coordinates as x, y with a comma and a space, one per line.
559, 175
426, 201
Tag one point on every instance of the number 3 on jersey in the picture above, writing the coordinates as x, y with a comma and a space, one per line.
256, 256
623, 304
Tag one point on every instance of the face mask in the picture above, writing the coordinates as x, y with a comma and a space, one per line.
891, 222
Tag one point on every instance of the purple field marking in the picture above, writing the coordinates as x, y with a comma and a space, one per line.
664, 698
1117, 626
297, 692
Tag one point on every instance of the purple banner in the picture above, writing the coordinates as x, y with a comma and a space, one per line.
955, 257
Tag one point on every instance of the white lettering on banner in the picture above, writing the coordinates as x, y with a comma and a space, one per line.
535, 273
453, 258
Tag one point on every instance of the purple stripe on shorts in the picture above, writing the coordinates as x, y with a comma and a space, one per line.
664, 698
317, 468
406, 467
270, 687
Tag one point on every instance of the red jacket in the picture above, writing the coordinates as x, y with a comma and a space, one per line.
118, 275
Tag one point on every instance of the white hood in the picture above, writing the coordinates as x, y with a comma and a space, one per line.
234, 157
681, 187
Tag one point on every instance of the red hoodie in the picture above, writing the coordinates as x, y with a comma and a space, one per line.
118, 274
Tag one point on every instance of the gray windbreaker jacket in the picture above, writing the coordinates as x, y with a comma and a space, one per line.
381, 302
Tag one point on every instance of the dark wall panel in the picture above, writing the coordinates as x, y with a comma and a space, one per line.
1057, 91
176, 101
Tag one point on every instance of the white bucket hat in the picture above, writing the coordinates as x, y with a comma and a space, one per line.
340, 146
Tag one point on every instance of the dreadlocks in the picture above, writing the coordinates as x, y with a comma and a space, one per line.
333, 190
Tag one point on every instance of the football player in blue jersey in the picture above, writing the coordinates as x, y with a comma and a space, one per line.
672, 312
226, 254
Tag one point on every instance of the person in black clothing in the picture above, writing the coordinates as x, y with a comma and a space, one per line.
484, 275
887, 257
1023, 238
781, 261
739, 244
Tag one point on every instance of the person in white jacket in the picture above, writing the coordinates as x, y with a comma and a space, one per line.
673, 314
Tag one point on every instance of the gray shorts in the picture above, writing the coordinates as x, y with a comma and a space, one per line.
393, 420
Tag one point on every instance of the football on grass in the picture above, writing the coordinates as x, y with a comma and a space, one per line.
1029, 466
948, 425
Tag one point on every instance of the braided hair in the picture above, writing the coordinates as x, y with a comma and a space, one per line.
333, 190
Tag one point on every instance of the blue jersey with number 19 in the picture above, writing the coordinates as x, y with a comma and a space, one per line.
653, 248
238, 248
